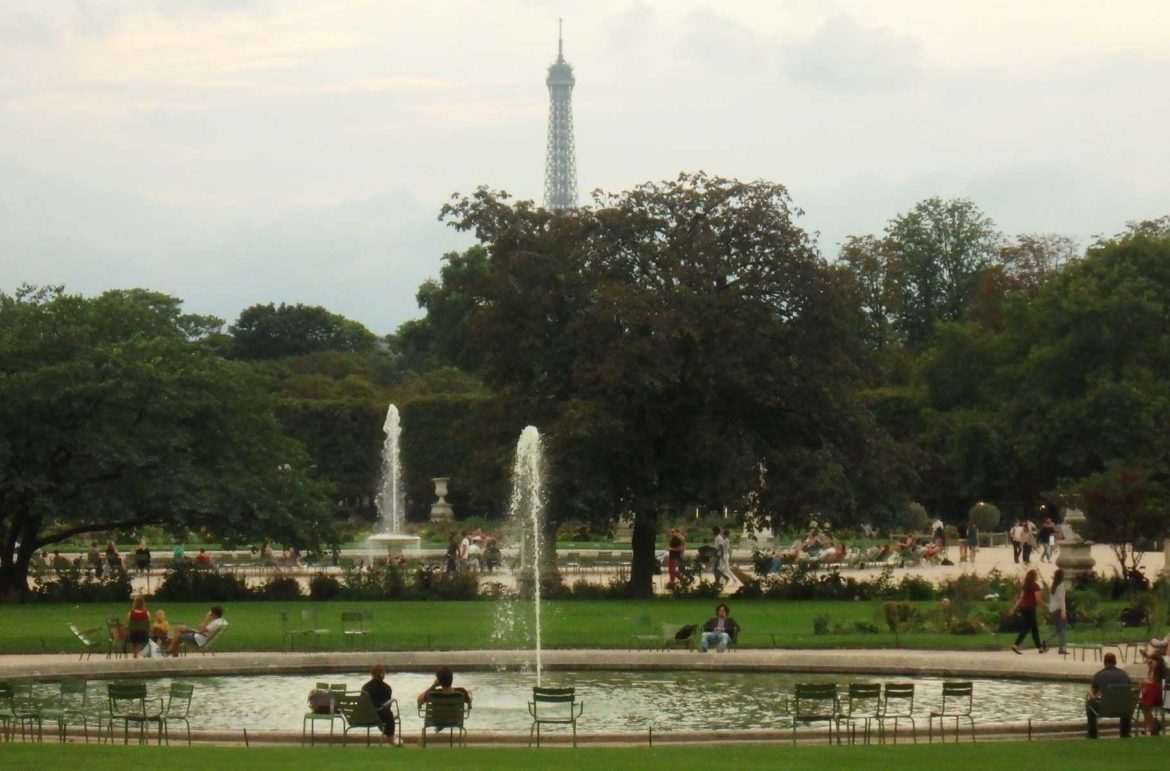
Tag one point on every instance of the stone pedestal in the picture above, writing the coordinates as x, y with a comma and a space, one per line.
440, 509
1075, 558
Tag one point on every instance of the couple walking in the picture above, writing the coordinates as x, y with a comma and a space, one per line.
1030, 601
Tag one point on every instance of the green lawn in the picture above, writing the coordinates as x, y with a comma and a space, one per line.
467, 625
1081, 755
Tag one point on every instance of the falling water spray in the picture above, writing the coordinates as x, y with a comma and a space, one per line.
527, 512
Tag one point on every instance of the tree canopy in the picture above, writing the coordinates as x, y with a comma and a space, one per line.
117, 413
669, 339
271, 332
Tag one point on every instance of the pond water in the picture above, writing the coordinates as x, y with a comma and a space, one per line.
615, 702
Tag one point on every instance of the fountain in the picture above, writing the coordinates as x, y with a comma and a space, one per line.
525, 519
391, 498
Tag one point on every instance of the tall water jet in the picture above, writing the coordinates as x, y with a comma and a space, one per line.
526, 514
391, 497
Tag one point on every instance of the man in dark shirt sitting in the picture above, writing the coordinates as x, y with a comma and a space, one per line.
1109, 675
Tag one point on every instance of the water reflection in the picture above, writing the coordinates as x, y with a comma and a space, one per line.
617, 702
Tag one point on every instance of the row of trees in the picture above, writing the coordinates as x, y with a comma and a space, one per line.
681, 345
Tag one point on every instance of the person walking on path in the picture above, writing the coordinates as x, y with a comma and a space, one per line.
1027, 540
1016, 534
677, 546
1058, 610
1047, 535
1026, 605
723, 557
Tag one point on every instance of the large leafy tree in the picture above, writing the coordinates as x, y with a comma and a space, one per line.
117, 413
669, 339
1067, 393
271, 332
939, 249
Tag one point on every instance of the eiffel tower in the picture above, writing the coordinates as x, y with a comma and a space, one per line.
560, 163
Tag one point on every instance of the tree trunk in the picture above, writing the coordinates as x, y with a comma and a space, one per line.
13, 582
643, 563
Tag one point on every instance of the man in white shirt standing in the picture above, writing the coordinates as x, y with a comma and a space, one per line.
464, 551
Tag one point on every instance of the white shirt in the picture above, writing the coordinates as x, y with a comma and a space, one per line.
464, 546
1056, 599
213, 627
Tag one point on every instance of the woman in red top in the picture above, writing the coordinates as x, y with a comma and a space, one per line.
1026, 605
138, 625
1152, 692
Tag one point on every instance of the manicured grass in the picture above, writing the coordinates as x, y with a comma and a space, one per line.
470, 625
1082, 755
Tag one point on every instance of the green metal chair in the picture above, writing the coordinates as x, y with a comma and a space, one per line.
353, 628
957, 702
178, 710
128, 703
814, 703
897, 705
358, 712
19, 709
680, 636
862, 705
445, 711
89, 642
1117, 701
115, 638
72, 707
311, 718
554, 706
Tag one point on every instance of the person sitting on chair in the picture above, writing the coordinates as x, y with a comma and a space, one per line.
443, 679
212, 623
1104, 678
1157, 647
720, 630
381, 694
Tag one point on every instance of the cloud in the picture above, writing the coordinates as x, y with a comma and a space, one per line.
23, 29
718, 45
843, 56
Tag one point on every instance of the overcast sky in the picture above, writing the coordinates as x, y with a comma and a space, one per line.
233, 153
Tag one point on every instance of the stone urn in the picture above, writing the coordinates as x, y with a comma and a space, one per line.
1075, 557
440, 509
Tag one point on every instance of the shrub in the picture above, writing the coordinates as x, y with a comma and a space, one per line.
821, 623
185, 583
984, 516
280, 588
323, 587
73, 584
901, 617
454, 586
382, 582
915, 588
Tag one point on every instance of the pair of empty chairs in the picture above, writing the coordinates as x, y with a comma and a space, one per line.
865, 705
130, 703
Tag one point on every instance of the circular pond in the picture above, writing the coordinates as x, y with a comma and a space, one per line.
615, 702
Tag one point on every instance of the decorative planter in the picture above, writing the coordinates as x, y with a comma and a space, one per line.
1075, 558
440, 509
